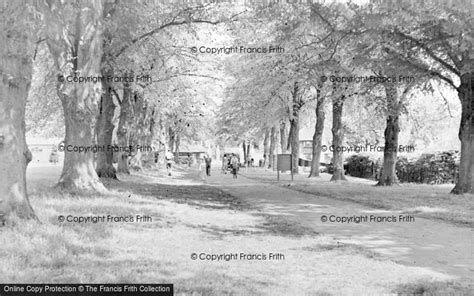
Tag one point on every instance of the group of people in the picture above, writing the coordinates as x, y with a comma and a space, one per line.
230, 162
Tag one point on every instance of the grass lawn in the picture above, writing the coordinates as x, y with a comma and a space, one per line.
188, 218
429, 201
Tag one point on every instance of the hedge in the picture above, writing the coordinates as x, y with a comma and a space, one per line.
436, 168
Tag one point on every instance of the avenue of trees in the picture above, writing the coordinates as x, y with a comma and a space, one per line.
430, 42
166, 92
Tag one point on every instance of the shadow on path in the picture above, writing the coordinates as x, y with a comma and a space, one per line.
181, 187
420, 242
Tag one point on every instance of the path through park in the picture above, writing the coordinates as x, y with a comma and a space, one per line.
433, 244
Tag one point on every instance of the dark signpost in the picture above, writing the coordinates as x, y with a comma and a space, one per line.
284, 163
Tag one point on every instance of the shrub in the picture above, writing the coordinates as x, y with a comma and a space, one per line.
363, 166
435, 168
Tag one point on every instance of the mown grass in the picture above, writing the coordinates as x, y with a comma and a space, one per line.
425, 288
184, 222
428, 201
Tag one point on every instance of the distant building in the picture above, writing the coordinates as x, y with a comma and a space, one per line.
306, 149
196, 152
306, 146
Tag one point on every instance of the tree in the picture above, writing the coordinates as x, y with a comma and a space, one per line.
337, 137
283, 137
318, 133
105, 128
293, 137
123, 129
16, 37
74, 38
326, 35
437, 39
271, 152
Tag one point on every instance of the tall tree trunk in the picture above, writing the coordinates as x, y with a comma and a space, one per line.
152, 129
288, 141
295, 141
465, 182
337, 138
123, 130
294, 136
16, 71
140, 129
392, 129
317, 136
105, 132
271, 152
283, 138
248, 152
78, 170
245, 151
79, 54
177, 143
150, 137
266, 147
171, 138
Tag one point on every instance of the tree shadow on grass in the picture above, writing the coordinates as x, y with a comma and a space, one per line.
197, 195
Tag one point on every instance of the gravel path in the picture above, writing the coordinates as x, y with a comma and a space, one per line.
415, 241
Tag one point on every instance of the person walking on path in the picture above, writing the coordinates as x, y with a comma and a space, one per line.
234, 162
208, 160
169, 160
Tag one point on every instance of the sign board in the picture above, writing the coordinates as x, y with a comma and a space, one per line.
284, 163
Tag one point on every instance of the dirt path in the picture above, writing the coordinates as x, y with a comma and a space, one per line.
426, 243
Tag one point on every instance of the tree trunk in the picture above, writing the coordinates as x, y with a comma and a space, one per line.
465, 182
78, 170
105, 131
317, 137
266, 147
152, 129
248, 152
392, 129
16, 71
245, 152
295, 141
176, 153
171, 138
79, 54
337, 138
294, 137
272, 147
140, 130
288, 141
123, 130
283, 138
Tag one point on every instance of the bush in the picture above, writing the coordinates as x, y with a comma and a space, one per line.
437, 168
361, 166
